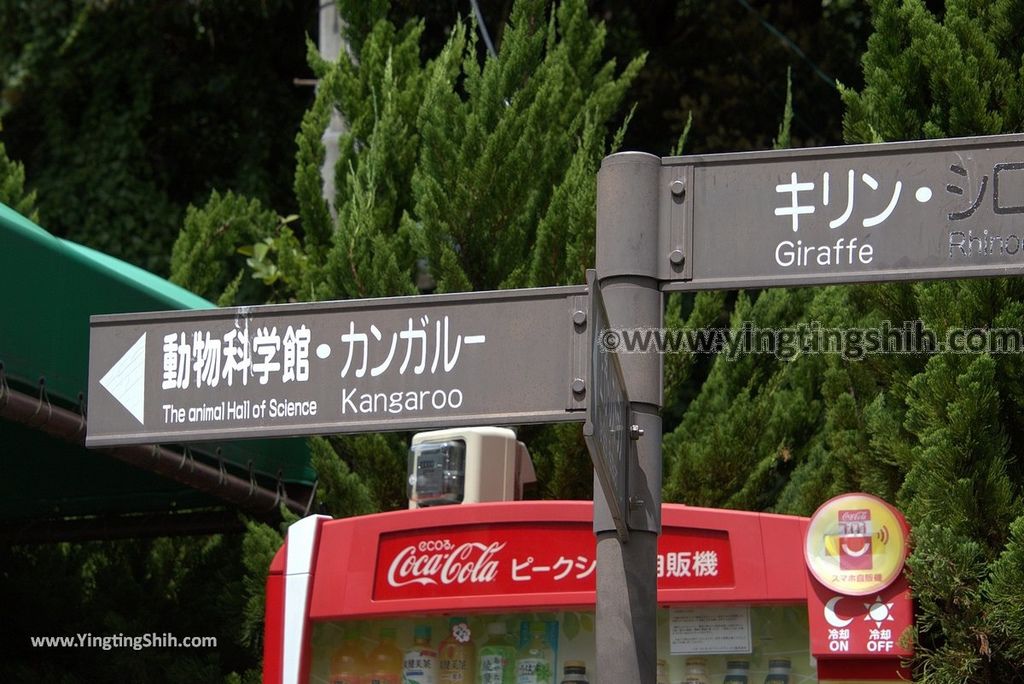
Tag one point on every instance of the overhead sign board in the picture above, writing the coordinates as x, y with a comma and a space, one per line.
949, 208
506, 357
606, 430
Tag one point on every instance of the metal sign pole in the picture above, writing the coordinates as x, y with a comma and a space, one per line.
627, 269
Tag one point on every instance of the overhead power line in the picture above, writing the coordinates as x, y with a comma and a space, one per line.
789, 44
483, 28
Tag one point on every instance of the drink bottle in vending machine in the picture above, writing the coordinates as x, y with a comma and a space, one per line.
575, 672
457, 653
348, 664
497, 661
737, 672
778, 671
385, 660
419, 666
535, 661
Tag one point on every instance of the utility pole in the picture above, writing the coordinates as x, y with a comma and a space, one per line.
627, 270
330, 44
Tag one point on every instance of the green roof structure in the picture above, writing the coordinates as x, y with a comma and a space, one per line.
50, 480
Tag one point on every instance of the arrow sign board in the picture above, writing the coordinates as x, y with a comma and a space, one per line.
350, 366
895, 211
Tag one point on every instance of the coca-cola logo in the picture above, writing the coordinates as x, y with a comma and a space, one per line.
854, 516
442, 562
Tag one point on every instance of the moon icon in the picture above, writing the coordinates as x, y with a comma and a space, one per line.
830, 613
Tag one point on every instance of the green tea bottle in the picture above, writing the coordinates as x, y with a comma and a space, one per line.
497, 661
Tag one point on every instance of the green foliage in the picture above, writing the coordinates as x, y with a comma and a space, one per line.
12, 186
484, 170
753, 419
725, 63
207, 254
561, 461
81, 84
358, 253
125, 112
959, 497
784, 138
133, 588
492, 162
361, 16
1004, 590
259, 545
345, 492
932, 78
937, 434
748, 425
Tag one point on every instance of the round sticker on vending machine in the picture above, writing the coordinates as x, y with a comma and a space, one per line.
856, 544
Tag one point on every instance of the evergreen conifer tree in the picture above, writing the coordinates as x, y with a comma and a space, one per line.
930, 77
457, 172
476, 173
938, 435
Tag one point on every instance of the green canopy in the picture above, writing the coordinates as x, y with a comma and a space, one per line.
51, 287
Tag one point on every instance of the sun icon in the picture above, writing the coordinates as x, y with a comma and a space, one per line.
879, 612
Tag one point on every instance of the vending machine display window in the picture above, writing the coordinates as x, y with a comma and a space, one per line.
714, 642
738, 600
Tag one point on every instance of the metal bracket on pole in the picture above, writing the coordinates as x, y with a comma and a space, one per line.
675, 239
579, 392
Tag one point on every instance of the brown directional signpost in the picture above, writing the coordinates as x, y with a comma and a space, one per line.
859, 213
350, 366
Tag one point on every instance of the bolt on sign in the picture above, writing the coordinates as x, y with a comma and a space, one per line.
931, 209
348, 366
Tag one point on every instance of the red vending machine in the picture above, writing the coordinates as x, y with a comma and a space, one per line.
505, 592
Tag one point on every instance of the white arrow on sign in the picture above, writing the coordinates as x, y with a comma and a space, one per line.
125, 381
